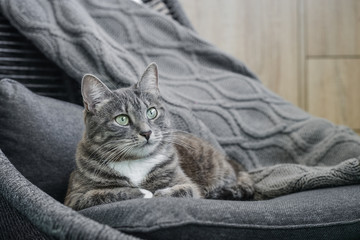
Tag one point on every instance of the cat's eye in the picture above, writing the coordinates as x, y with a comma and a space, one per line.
122, 120
151, 113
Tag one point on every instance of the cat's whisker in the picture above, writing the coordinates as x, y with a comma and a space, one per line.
109, 154
116, 154
102, 154
110, 143
180, 143
176, 141
171, 131
124, 154
102, 160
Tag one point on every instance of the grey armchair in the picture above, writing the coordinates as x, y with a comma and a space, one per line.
46, 46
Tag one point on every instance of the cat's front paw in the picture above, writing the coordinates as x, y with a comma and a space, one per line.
166, 192
147, 194
180, 191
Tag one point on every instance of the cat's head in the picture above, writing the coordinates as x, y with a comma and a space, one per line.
131, 122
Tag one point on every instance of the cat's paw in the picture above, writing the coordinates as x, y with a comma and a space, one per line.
166, 192
244, 190
246, 186
239, 192
179, 191
147, 194
247, 191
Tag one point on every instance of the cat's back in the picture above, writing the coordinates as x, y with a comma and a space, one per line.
199, 159
190, 146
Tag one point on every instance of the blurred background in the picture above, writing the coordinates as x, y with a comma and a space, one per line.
307, 51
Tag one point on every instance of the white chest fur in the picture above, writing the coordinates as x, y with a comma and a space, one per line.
136, 170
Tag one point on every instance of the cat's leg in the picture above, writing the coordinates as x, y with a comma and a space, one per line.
243, 190
246, 185
240, 188
182, 191
94, 197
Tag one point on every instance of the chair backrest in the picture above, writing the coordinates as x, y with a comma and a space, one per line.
22, 61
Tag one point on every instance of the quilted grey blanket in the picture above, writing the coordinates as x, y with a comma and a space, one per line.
207, 92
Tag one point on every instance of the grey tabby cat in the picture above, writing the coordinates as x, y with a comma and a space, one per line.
129, 150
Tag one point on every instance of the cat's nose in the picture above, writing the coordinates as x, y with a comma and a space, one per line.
146, 134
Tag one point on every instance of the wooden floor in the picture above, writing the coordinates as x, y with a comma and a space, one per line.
307, 51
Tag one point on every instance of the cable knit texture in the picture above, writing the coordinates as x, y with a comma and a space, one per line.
207, 92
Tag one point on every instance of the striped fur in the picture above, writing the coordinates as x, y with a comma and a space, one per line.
117, 162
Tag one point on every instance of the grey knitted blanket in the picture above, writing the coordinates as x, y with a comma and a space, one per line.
207, 92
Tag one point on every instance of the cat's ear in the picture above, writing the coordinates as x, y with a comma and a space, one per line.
149, 81
94, 91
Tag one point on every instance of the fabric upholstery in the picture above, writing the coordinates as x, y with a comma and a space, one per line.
331, 213
12, 220
39, 135
48, 215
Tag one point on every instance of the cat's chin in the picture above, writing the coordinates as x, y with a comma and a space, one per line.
146, 149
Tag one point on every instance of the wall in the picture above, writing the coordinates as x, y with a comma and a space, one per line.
307, 51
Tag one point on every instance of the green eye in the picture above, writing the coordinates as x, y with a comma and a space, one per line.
122, 120
151, 113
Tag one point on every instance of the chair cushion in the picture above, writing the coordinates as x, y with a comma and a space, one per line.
39, 136
332, 213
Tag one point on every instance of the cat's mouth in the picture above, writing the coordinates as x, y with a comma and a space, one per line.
151, 141
146, 147
148, 143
